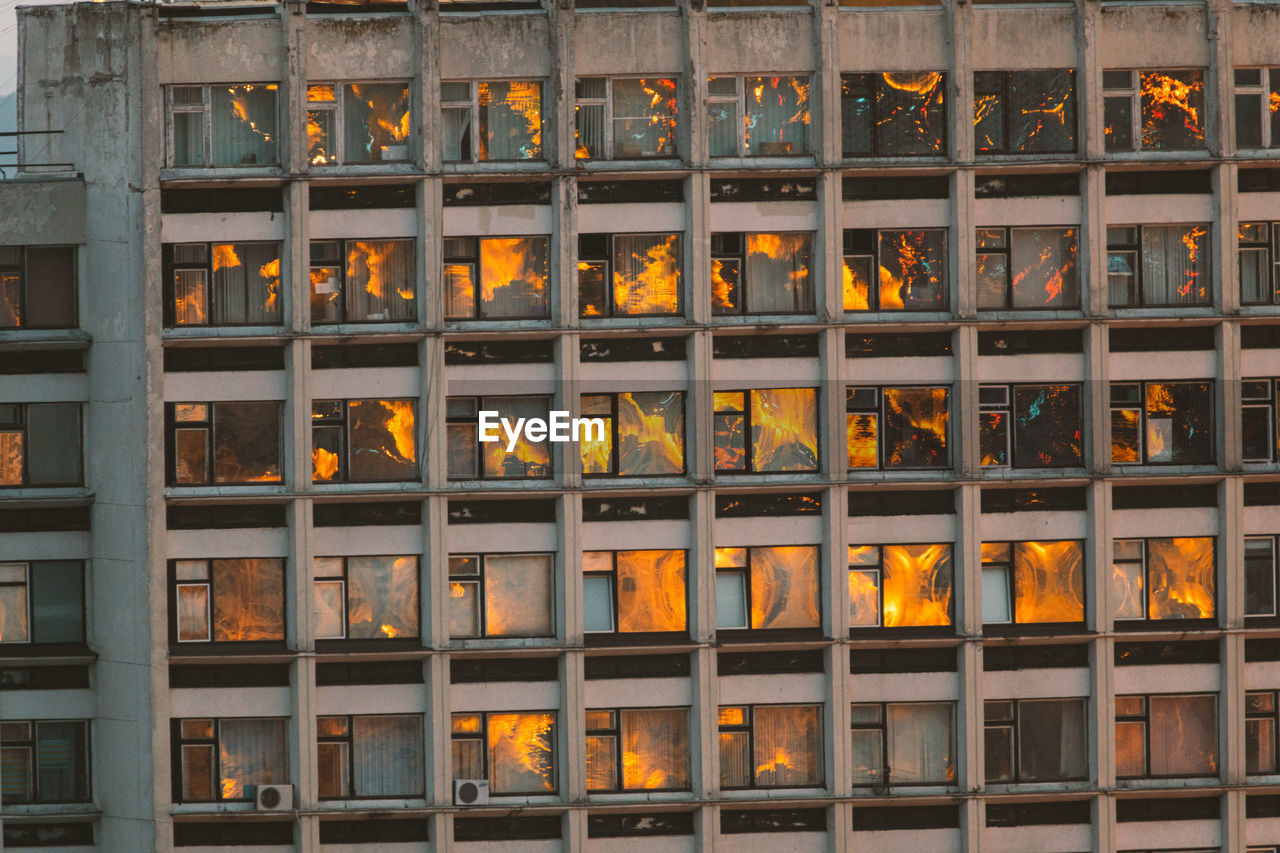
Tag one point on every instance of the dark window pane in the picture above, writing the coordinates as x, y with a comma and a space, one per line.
53, 441
1172, 109
1118, 118
913, 270
382, 440
62, 771
1255, 429
915, 430
51, 287
999, 757
1046, 426
1179, 423
1051, 743
57, 592
246, 442
1042, 111
856, 116
909, 113
1259, 578
1248, 121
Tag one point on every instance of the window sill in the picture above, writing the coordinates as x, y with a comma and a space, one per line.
813, 791
66, 810
221, 491
611, 797
207, 173
46, 654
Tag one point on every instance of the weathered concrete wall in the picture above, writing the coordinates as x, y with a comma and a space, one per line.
1023, 38
764, 42
872, 41
514, 46
219, 51
359, 49
1154, 37
639, 43
41, 212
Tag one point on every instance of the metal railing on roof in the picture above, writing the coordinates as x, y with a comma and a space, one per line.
17, 165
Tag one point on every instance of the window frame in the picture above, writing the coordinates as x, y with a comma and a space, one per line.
317, 578
881, 414
477, 579
338, 107
749, 457
20, 425
1008, 78
588, 256
1141, 407
179, 744
749, 726
1009, 567
615, 604
873, 83
472, 106
613, 425
1269, 250
747, 572
850, 255
1016, 735
1132, 94
1271, 573
205, 110
1144, 564
15, 263
342, 422
1257, 716
1257, 400
176, 585
209, 426
744, 284
609, 107
486, 760
349, 740
31, 744
1145, 719
481, 403
617, 732
1262, 91
880, 572
474, 263
345, 299
882, 727
1006, 251
739, 100
172, 267
1137, 252
1009, 407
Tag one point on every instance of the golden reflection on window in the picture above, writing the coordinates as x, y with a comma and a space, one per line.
1049, 582
522, 753
651, 591
917, 585
784, 429
785, 587
1180, 575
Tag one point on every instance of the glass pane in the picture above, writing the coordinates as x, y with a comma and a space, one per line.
198, 765
593, 300
250, 752
915, 427
602, 763
188, 139
1042, 111
459, 291
784, 429
777, 273
1118, 121
517, 595
651, 591
1182, 578
1043, 268
1172, 109
1175, 265
784, 587
380, 281
1184, 735
910, 113
382, 597
1047, 426
917, 585
1259, 577
650, 433
53, 435
777, 115
868, 757
331, 765
995, 596
510, 120
1255, 275
731, 600
14, 625
921, 748
655, 749
857, 282
735, 760
193, 613
1051, 740
190, 297
1049, 579
513, 277
1180, 423
864, 598
1260, 746
378, 122
244, 125
246, 442
913, 270
644, 117
383, 440
597, 600
387, 756
999, 754
330, 619
62, 771
526, 459
646, 274
51, 300
1127, 598
788, 745
862, 439
321, 140
993, 280
522, 753
248, 600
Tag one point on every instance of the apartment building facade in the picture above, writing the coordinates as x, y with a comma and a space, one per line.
938, 494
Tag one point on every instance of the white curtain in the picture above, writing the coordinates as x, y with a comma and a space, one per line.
921, 743
788, 745
246, 284
380, 280
1175, 265
1051, 742
251, 752
244, 125
387, 756
655, 748
1184, 735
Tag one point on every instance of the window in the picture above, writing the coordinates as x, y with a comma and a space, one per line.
375, 284
366, 598
1042, 429
511, 273
45, 761
903, 743
471, 459
770, 746
506, 116
1259, 576
1024, 112
1031, 583
246, 284
634, 591
897, 427
224, 442
374, 756
895, 270
625, 118
1035, 740
516, 752
1158, 266
1153, 110
228, 601
42, 602
644, 434
1258, 437
893, 114
761, 273
757, 116
1025, 268
629, 275
217, 759
1257, 93
40, 444
38, 287
223, 124
1162, 423
1260, 733
781, 423
363, 441
1166, 735
501, 595
358, 123
1259, 281
1159, 579
900, 586
768, 587
654, 753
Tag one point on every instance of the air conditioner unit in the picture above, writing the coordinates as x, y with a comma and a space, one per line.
471, 792
273, 798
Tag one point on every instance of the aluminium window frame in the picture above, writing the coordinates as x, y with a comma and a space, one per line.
486, 764
749, 726
606, 103
1014, 724
1133, 93
32, 745
179, 744
1273, 717
747, 427
205, 110
1003, 95
338, 108
605, 260
346, 638
1145, 719
20, 424
613, 425
174, 585
617, 733
477, 579
349, 740
876, 79
1270, 250
479, 401
1141, 407
342, 265
1011, 589
1268, 80
1273, 564
1254, 399
615, 614
879, 570
883, 728
1144, 562
881, 414
472, 106
739, 100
